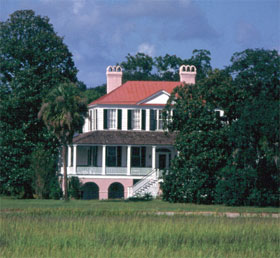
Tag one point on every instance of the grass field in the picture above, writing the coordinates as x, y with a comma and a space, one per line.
45, 228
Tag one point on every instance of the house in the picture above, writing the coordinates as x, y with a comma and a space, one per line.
123, 148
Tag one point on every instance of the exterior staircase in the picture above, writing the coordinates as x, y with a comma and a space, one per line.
148, 184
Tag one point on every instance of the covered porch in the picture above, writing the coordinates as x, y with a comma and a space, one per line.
118, 160
120, 153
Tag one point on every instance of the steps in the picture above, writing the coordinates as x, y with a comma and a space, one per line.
148, 184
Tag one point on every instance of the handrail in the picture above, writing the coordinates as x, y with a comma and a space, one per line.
144, 177
145, 180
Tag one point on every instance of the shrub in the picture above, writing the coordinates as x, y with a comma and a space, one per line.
74, 187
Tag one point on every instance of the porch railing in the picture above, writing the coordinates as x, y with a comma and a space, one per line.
89, 170
140, 171
116, 170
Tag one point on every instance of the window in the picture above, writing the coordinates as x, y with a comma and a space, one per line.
138, 156
92, 156
136, 119
113, 156
156, 120
160, 120
112, 119
94, 120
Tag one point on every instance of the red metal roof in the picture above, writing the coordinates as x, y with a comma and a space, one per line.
132, 92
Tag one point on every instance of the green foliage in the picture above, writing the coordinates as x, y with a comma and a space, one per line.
55, 191
63, 112
74, 187
201, 141
43, 165
143, 67
33, 60
139, 198
232, 159
94, 93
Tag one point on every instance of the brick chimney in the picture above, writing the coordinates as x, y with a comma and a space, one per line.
114, 77
187, 74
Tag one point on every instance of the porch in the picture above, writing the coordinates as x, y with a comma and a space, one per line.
111, 160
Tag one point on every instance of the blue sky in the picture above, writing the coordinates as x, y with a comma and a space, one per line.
102, 32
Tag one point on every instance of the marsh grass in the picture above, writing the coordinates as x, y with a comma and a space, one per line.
73, 232
119, 205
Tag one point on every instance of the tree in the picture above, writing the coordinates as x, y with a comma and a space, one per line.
63, 111
144, 67
254, 135
94, 93
33, 60
232, 159
201, 139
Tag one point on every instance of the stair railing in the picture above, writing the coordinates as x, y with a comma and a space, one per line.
144, 181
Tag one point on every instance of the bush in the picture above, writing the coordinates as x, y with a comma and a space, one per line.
55, 191
74, 187
145, 197
240, 186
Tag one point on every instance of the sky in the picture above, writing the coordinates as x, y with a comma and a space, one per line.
100, 33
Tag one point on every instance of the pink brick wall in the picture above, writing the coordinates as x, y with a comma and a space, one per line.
104, 184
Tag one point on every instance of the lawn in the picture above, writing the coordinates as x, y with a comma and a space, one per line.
47, 228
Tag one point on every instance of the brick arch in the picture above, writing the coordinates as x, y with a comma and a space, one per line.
90, 191
116, 191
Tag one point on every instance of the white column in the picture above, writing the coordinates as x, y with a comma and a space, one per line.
75, 158
69, 156
128, 160
154, 157
103, 159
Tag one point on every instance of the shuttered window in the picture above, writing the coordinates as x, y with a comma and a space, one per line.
105, 119
143, 127
119, 119
153, 121
129, 119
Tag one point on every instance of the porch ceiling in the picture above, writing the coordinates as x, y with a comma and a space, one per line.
125, 138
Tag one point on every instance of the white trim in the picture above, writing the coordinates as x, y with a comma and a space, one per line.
128, 160
154, 96
103, 159
75, 158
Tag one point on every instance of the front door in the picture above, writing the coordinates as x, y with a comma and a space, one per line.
162, 161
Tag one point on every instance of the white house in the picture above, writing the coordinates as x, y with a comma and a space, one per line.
123, 148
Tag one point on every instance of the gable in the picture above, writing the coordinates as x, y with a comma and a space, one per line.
159, 98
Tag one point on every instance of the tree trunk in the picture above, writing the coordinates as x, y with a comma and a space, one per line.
65, 173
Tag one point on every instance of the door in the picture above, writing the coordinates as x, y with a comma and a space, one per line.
162, 161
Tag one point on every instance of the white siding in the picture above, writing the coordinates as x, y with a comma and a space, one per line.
147, 120
124, 119
161, 99
100, 119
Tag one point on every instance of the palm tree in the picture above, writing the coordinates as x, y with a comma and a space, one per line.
63, 111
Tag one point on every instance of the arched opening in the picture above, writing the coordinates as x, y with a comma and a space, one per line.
90, 191
116, 191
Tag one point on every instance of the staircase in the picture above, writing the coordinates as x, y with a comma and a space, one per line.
148, 184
